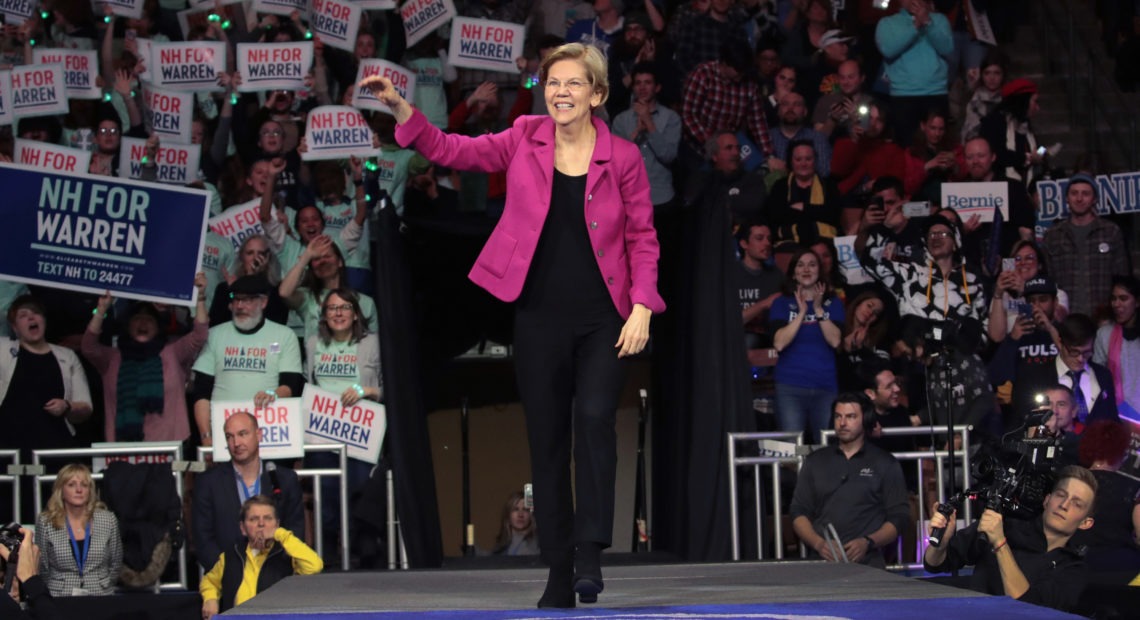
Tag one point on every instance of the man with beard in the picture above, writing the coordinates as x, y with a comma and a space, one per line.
655, 129
835, 113
221, 490
248, 358
638, 46
739, 192
850, 499
792, 128
980, 169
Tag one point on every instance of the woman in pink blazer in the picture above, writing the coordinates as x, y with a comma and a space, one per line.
577, 252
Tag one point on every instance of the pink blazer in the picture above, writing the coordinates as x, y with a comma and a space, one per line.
617, 210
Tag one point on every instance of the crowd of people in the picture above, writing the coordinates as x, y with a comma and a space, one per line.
793, 124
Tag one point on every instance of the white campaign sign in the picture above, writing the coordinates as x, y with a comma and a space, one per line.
361, 427
403, 79
282, 436
969, 199
238, 222
280, 7
337, 132
486, 44
423, 16
99, 463
273, 66
5, 97
131, 9
167, 113
376, 5
51, 156
336, 22
174, 163
188, 67
38, 90
16, 12
80, 68
849, 260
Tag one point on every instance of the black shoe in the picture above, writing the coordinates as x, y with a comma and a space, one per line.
559, 585
588, 572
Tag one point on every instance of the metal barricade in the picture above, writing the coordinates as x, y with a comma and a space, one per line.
174, 449
316, 473
962, 457
756, 462
12, 473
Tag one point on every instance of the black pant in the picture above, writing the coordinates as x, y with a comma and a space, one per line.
570, 379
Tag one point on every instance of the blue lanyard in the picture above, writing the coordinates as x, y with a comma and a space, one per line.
80, 557
245, 490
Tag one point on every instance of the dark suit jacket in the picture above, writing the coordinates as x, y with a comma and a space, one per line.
217, 506
1036, 379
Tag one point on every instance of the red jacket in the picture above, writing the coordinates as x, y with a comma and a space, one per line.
618, 213
854, 163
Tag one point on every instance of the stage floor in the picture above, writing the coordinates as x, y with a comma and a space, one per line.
738, 590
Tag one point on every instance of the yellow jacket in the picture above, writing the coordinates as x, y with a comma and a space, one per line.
305, 562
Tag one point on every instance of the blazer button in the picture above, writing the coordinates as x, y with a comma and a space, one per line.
593, 225
590, 197
601, 253
609, 280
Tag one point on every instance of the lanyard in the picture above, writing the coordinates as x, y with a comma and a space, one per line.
245, 490
80, 557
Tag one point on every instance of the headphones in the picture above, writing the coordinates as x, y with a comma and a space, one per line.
865, 404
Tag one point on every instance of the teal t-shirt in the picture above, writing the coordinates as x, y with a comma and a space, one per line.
335, 365
217, 252
429, 95
336, 218
244, 364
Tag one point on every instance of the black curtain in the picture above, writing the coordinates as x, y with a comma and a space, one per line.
703, 383
409, 445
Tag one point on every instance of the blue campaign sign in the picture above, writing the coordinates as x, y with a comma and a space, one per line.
94, 233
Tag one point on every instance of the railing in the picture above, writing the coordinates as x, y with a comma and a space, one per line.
174, 450
938, 457
12, 474
316, 473
1090, 85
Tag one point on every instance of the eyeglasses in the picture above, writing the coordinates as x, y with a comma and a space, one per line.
573, 85
104, 131
339, 308
276, 133
244, 299
938, 234
1028, 258
1084, 353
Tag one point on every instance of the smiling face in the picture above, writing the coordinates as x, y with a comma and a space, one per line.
868, 311
807, 270
107, 137
940, 241
887, 391
1123, 306
1026, 260
248, 310
979, 159
365, 46
29, 325
254, 256
326, 264
271, 137
570, 97
803, 162
850, 78
1082, 198
259, 175
310, 223
339, 314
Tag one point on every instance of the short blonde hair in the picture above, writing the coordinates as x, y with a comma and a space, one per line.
592, 60
55, 512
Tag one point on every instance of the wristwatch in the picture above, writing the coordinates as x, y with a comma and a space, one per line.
870, 542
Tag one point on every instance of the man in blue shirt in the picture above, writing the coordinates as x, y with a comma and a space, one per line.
655, 129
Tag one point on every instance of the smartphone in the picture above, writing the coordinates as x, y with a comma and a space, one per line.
916, 209
1041, 150
882, 5
876, 203
863, 113
1008, 264
528, 496
1025, 310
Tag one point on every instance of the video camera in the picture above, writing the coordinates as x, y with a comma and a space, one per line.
10, 537
1014, 479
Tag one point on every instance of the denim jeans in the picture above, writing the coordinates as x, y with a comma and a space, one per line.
800, 408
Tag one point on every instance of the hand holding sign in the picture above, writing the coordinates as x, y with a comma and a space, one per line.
383, 90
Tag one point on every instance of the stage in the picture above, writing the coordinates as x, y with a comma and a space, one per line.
814, 590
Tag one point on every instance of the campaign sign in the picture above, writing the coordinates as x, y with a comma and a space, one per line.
423, 16
94, 233
238, 222
16, 12
38, 90
167, 114
486, 44
403, 79
174, 163
361, 426
376, 5
970, 199
131, 9
80, 68
273, 66
1116, 193
51, 156
279, 423
336, 22
337, 132
188, 67
280, 7
99, 463
849, 260
143, 47
5, 97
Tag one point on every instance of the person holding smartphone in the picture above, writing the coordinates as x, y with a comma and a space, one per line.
1024, 264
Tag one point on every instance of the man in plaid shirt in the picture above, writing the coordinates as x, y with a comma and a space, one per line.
720, 95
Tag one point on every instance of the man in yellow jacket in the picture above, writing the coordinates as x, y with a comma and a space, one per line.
267, 555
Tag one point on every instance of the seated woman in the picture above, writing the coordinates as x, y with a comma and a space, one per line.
518, 535
144, 377
932, 159
864, 334
1005, 308
81, 550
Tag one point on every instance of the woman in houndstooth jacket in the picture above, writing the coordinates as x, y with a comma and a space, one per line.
81, 550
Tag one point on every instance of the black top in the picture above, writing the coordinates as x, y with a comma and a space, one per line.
36, 379
1109, 540
564, 280
1056, 578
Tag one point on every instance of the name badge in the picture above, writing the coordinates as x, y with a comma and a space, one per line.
1103, 248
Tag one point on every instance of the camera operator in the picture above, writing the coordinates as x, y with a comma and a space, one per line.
1030, 560
28, 583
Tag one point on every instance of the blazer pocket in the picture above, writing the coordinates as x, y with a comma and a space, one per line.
498, 253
